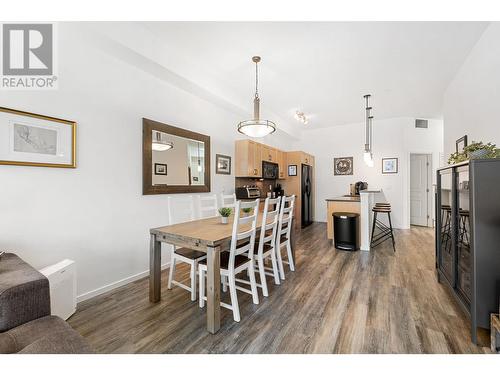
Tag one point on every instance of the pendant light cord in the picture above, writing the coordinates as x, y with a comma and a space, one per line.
256, 79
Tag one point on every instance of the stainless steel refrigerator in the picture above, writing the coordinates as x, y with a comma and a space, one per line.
306, 195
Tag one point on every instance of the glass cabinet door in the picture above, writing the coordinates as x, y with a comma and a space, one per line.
463, 284
445, 230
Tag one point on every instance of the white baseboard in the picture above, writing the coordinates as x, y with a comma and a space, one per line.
116, 284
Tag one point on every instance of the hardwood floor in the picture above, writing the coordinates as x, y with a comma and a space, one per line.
335, 302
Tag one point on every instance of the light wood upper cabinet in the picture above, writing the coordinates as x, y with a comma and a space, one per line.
257, 163
281, 160
269, 154
307, 159
250, 154
248, 159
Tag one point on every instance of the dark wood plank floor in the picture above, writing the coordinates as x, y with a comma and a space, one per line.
335, 302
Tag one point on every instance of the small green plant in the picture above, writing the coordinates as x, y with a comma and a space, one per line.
225, 211
247, 210
475, 150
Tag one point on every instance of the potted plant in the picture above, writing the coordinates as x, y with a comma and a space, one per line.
246, 211
476, 150
225, 212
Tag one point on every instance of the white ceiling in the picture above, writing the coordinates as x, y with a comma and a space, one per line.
323, 69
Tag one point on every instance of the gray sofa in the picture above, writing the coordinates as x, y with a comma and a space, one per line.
26, 325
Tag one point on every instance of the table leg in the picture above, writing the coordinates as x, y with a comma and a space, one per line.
495, 333
213, 289
154, 269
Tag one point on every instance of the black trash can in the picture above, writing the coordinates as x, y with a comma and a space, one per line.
345, 230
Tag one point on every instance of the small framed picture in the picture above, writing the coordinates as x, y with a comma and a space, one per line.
222, 164
343, 166
389, 165
36, 140
461, 143
292, 170
160, 169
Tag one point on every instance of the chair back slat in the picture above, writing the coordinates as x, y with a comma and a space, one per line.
269, 222
243, 241
286, 216
180, 209
207, 206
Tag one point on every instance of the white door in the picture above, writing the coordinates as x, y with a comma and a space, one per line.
419, 189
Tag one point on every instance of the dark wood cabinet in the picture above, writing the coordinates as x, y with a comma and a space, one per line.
468, 236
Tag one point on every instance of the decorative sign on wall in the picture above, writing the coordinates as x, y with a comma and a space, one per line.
292, 170
343, 166
223, 164
36, 140
389, 165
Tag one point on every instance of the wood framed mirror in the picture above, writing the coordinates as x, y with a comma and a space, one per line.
174, 160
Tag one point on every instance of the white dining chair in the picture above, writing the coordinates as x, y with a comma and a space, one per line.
238, 259
283, 236
181, 209
266, 244
207, 206
228, 200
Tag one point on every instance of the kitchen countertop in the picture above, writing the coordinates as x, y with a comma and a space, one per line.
344, 199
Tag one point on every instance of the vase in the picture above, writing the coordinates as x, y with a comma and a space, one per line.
224, 219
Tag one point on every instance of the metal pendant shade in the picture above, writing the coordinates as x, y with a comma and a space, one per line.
160, 143
368, 154
256, 128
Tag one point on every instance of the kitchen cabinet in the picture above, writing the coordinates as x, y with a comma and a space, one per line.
281, 160
269, 154
249, 156
248, 159
307, 159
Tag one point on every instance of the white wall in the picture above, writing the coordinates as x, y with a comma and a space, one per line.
392, 138
472, 100
96, 214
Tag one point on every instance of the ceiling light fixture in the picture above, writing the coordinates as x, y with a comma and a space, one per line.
256, 128
299, 116
368, 153
160, 143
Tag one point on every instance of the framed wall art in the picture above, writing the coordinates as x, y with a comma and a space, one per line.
222, 164
36, 140
160, 169
292, 170
389, 165
343, 166
461, 143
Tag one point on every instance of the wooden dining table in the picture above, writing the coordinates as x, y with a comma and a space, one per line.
207, 235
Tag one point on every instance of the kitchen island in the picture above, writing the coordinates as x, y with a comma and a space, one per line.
360, 204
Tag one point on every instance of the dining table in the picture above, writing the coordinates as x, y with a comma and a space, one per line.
208, 235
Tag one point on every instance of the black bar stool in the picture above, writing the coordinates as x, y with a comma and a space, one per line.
463, 231
446, 227
386, 232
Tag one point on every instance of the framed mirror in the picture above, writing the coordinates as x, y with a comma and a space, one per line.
174, 160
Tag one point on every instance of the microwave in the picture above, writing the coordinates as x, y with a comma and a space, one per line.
270, 171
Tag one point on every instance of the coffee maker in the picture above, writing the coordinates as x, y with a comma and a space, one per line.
357, 187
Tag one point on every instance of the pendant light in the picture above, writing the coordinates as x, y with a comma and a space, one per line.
159, 143
368, 154
199, 161
256, 128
